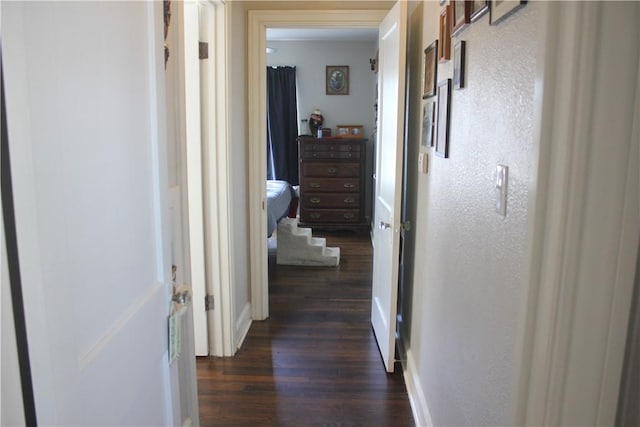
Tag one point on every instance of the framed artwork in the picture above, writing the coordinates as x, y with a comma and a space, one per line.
444, 35
459, 64
430, 70
337, 80
460, 15
444, 110
478, 9
428, 123
500, 9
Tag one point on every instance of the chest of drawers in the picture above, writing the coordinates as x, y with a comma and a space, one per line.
332, 173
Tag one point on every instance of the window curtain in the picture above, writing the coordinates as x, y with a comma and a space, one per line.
282, 124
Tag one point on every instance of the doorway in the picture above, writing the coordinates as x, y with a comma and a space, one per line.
259, 21
308, 53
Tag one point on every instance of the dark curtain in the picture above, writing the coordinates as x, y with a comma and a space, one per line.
282, 124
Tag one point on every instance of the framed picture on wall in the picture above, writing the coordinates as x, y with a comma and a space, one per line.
478, 9
337, 80
430, 70
428, 123
444, 35
444, 110
460, 15
459, 64
501, 9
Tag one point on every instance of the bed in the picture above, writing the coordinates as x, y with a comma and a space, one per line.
280, 202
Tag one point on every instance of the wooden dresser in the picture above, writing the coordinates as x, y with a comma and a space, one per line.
332, 186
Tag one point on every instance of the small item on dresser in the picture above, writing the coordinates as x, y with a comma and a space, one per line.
350, 131
319, 132
315, 121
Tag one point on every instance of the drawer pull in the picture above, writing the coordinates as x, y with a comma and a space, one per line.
332, 170
350, 155
349, 200
315, 185
348, 185
314, 215
348, 216
314, 200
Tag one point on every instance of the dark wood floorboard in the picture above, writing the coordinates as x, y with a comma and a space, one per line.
314, 362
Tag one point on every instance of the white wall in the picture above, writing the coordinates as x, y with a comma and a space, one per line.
310, 59
468, 288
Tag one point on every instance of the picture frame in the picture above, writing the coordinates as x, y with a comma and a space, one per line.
501, 9
337, 80
444, 35
430, 70
459, 64
460, 15
428, 123
444, 113
478, 9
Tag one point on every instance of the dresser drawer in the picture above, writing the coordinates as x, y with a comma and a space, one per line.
338, 185
329, 146
309, 155
331, 169
323, 200
330, 216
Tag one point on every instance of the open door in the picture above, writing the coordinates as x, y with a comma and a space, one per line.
388, 191
86, 122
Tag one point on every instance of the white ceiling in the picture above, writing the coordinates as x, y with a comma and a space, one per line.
323, 34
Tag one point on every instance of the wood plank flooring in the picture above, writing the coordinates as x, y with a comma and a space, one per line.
314, 362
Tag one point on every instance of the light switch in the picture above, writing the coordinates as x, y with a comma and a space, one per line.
502, 178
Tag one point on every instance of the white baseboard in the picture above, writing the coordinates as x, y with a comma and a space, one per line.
243, 324
419, 406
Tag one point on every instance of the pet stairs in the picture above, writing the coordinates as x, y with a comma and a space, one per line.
296, 246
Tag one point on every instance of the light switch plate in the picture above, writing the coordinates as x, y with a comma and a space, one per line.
502, 178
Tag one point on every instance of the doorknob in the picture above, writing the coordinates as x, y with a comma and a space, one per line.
384, 225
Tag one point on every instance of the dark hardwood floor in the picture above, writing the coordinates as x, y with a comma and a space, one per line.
314, 362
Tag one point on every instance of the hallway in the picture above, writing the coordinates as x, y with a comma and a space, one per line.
315, 360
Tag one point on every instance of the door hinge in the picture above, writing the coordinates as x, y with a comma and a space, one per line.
208, 302
406, 226
203, 50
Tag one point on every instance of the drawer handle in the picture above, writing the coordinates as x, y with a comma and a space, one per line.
315, 154
348, 185
348, 216
349, 147
314, 185
315, 201
350, 155
349, 200
332, 170
315, 215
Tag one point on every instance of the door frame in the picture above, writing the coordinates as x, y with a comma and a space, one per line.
206, 174
258, 22
570, 370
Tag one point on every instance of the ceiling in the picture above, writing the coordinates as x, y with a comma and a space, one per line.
322, 34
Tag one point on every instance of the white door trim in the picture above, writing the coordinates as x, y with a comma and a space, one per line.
582, 261
217, 201
259, 21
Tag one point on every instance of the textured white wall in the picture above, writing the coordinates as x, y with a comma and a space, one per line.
468, 274
310, 59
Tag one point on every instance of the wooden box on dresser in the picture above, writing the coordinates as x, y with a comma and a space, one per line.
332, 183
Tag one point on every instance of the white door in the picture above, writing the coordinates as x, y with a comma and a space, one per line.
388, 192
87, 131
